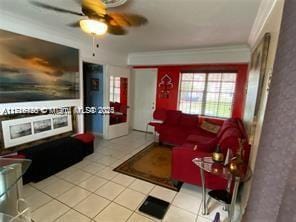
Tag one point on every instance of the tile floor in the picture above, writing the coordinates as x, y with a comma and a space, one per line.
91, 192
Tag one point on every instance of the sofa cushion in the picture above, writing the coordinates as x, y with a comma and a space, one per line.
197, 138
200, 131
173, 117
189, 120
203, 143
173, 135
188, 145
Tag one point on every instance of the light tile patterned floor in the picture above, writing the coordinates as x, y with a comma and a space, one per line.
90, 191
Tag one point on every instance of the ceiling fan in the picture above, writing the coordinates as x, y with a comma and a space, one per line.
96, 20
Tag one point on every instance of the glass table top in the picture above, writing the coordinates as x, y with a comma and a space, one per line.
219, 169
8, 218
11, 171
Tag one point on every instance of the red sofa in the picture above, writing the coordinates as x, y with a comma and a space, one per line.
178, 126
184, 132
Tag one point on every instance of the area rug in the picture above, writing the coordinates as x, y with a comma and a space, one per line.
152, 164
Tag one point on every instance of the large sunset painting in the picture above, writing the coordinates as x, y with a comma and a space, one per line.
36, 70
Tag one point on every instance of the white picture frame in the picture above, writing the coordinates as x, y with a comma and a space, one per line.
29, 129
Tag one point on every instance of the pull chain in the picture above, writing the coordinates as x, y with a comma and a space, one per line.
93, 45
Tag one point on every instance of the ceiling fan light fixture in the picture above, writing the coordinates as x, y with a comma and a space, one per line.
93, 26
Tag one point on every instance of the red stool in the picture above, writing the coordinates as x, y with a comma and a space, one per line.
88, 140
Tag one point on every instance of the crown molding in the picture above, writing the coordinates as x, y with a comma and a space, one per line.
221, 54
264, 11
193, 50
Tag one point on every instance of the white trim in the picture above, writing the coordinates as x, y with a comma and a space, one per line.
222, 54
264, 11
179, 90
106, 100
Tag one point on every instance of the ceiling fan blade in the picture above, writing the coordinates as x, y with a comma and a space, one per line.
74, 25
78, 1
127, 19
116, 30
53, 8
93, 8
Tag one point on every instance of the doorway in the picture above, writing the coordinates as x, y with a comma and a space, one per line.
117, 83
93, 97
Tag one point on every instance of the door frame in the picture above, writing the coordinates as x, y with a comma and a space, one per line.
88, 60
120, 129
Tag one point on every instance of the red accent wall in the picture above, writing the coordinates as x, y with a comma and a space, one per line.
239, 98
174, 72
172, 100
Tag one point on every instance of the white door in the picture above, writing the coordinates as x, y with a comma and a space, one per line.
145, 81
117, 91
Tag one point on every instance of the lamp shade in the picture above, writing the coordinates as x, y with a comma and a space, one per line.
93, 26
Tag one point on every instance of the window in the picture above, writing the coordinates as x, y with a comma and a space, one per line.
209, 94
115, 89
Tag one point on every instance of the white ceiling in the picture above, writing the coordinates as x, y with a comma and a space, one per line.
173, 24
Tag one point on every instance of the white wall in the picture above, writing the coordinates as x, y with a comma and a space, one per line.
226, 54
34, 29
271, 25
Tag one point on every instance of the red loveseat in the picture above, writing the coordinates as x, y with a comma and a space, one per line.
183, 131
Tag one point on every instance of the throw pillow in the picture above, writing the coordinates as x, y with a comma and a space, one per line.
210, 127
